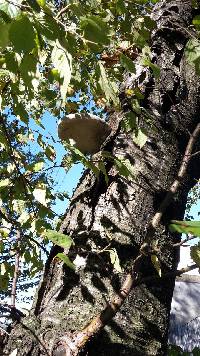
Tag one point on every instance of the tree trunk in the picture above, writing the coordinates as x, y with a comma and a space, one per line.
117, 215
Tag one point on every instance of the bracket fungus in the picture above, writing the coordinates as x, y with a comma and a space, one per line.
88, 131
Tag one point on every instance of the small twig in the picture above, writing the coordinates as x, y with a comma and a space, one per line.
20, 6
16, 271
62, 11
178, 244
176, 184
195, 153
104, 249
17, 224
74, 344
176, 273
38, 244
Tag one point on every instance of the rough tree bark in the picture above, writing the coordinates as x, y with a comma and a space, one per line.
118, 214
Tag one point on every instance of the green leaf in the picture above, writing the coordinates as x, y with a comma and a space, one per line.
155, 69
139, 40
95, 29
114, 259
186, 227
91, 166
50, 153
195, 254
138, 94
11, 62
156, 264
129, 122
66, 260
28, 68
124, 167
4, 35
49, 28
6, 18
4, 282
174, 350
140, 138
4, 183
102, 168
19, 110
62, 61
196, 351
136, 106
59, 239
192, 53
196, 21
22, 35
127, 63
107, 86
34, 5
120, 7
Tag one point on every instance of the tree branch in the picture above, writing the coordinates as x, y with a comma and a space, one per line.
178, 244
16, 271
72, 344
176, 184
62, 11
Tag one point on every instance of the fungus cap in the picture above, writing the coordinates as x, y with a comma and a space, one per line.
87, 130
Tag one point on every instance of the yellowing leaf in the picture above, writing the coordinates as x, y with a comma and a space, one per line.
18, 205
114, 259
41, 2
3, 269
140, 138
129, 92
10, 167
23, 218
4, 183
38, 166
156, 264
